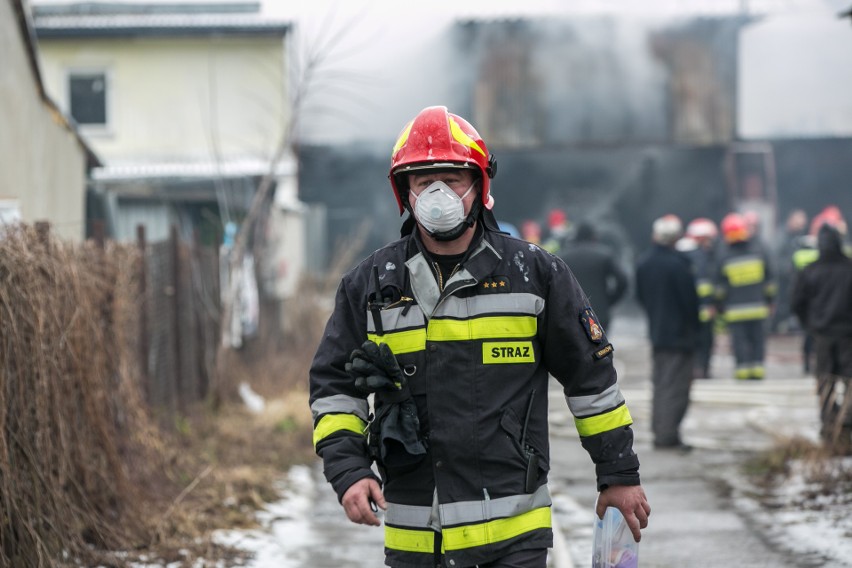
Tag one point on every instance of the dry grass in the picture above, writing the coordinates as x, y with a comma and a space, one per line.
88, 475
226, 464
817, 470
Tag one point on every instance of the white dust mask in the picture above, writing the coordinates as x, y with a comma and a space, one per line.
438, 208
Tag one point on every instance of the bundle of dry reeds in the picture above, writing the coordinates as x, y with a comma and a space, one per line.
72, 426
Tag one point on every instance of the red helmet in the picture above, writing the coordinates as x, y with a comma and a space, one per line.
735, 228
556, 217
437, 139
702, 228
831, 215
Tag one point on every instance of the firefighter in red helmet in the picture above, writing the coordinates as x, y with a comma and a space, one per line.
746, 292
454, 330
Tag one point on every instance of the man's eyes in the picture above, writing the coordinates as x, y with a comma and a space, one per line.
428, 182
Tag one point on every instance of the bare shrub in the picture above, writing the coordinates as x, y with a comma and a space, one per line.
70, 414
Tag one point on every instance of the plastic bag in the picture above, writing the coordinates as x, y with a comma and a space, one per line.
613, 544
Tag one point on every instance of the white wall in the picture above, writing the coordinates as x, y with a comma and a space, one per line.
179, 99
794, 77
42, 164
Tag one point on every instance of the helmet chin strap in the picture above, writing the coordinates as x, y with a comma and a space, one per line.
458, 230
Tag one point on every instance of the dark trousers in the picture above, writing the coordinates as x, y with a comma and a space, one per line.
833, 364
748, 339
532, 558
672, 379
704, 348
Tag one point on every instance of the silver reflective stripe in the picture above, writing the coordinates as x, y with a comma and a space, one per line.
734, 307
596, 403
342, 404
423, 283
512, 303
410, 516
468, 512
393, 319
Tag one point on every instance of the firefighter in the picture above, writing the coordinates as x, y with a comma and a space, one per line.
790, 240
745, 292
560, 232
463, 324
823, 303
699, 245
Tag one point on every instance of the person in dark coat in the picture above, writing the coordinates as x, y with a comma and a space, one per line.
822, 300
595, 266
665, 288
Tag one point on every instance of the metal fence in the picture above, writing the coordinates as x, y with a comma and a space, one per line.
179, 309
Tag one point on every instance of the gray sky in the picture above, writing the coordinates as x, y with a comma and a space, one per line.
389, 54
385, 65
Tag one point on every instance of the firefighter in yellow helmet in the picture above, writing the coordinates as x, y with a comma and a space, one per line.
454, 329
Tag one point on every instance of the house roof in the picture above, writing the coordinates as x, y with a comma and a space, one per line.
247, 167
94, 19
25, 26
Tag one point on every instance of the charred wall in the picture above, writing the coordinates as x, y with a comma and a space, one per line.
620, 189
601, 80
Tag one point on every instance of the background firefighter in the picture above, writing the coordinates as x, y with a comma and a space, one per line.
746, 291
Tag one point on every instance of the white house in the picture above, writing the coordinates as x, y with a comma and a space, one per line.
186, 104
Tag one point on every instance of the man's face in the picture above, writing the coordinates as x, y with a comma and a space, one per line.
458, 180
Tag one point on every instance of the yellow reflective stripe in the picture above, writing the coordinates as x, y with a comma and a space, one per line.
408, 540
604, 422
803, 257
403, 138
747, 314
463, 138
498, 530
705, 289
745, 273
770, 289
705, 314
742, 373
402, 341
481, 328
331, 423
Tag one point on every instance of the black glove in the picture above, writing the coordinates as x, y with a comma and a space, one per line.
401, 445
374, 368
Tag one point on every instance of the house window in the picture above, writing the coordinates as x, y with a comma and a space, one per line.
87, 93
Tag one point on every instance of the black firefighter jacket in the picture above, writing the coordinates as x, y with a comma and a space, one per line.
746, 286
477, 355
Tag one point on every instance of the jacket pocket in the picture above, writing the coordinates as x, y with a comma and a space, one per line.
511, 424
